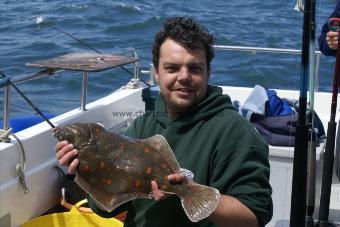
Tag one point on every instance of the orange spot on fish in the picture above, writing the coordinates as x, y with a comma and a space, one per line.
103, 180
137, 183
102, 164
146, 150
164, 165
164, 187
148, 170
109, 181
121, 146
86, 168
97, 130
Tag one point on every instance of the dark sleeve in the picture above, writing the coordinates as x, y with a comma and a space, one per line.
244, 175
256, 194
323, 47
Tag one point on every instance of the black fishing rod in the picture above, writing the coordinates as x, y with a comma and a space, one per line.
312, 134
327, 172
299, 182
9, 82
336, 27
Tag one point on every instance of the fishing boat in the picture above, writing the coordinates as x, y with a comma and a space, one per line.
30, 183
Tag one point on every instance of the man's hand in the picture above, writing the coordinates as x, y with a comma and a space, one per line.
65, 154
332, 39
177, 178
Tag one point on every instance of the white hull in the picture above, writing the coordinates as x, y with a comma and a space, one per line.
42, 177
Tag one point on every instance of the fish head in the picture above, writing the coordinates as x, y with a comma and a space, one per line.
78, 133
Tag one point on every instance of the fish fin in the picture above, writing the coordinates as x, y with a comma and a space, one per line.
160, 144
105, 200
109, 202
200, 202
102, 199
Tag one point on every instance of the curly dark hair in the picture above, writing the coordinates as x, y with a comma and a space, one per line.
188, 34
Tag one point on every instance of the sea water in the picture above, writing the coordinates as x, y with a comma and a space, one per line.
112, 26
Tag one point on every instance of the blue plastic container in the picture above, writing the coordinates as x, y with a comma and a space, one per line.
20, 123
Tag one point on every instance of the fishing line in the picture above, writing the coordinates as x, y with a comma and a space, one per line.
39, 20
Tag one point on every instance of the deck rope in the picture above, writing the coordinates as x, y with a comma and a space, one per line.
20, 168
132, 84
4, 135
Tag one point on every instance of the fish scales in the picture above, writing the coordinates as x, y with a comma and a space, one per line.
124, 159
114, 169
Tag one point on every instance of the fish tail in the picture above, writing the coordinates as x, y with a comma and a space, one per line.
200, 201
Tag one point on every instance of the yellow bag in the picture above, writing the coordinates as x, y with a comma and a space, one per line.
73, 218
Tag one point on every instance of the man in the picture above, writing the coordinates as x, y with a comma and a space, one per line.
206, 134
328, 40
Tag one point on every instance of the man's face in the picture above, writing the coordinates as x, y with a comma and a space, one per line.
182, 75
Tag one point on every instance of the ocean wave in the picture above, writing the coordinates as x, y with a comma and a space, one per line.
128, 8
110, 26
135, 26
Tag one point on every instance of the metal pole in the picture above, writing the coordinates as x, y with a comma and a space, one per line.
84, 92
7, 98
136, 67
317, 72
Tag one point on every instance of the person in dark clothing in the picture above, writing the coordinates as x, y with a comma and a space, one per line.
206, 134
328, 40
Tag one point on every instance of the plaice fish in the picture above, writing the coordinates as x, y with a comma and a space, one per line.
114, 169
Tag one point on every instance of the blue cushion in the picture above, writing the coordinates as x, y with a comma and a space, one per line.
20, 123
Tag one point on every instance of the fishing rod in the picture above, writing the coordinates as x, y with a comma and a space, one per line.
327, 172
337, 141
299, 182
39, 20
9, 82
312, 134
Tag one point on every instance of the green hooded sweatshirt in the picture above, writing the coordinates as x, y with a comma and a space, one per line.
219, 146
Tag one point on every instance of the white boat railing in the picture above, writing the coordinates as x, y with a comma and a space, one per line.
51, 72
276, 51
